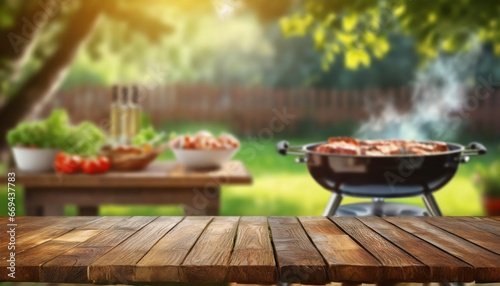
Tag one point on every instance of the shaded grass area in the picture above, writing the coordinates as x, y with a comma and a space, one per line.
283, 187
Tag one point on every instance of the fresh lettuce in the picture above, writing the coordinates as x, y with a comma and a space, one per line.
149, 136
56, 132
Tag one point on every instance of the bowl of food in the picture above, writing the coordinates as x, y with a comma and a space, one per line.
203, 150
145, 148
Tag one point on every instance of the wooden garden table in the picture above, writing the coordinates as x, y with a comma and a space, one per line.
162, 183
308, 250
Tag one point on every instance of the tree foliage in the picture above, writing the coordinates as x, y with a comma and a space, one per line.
358, 29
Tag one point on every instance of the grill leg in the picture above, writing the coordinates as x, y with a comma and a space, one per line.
333, 205
378, 206
431, 204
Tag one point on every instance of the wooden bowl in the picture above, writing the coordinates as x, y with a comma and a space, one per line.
131, 161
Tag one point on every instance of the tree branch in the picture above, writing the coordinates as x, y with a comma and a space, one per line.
18, 41
42, 84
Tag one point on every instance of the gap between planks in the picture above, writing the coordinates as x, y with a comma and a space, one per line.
480, 259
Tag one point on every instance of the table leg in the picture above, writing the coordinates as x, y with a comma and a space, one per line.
53, 210
37, 207
88, 211
213, 208
203, 202
32, 210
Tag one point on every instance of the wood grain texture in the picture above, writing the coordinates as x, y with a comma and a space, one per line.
298, 259
71, 266
252, 260
346, 259
487, 240
41, 232
72, 221
104, 222
398, 265
28, 262
485, 262
209, 258
163, 261
485, 224
443, 266
169, 174
133, 223
25, 225
312, 250
118, 264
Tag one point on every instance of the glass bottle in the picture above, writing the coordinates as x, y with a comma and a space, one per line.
135, 112
114, 131
125, 137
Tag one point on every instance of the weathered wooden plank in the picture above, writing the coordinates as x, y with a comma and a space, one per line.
298, 259
71, 266
104, 222
443, 266
34, 236
36, 221
142, 249
133, 223
73, 221
27, 225
28, 262
209, 258
485, 262
485, 224
466, 231
163, 261
346, 259
252, 260
118, 264
397, 264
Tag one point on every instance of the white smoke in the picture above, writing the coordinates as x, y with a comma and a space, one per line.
438, 92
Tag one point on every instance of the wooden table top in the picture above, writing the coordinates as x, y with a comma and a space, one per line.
309, 250
158, 174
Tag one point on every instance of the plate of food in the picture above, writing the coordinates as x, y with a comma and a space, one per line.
203, 150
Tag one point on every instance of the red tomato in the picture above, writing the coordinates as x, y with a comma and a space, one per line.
67, 164
96, 165
104, 163
90, 166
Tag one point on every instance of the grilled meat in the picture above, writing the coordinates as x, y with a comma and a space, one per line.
352, 146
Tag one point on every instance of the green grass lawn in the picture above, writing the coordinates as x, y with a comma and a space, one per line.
282, 187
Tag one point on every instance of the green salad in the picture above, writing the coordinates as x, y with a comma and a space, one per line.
56, 132
149, 136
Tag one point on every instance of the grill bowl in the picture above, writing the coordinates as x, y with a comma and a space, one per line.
388, 176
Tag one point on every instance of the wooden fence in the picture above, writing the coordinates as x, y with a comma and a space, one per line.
248, 109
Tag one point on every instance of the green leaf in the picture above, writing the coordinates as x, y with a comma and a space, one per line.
355, 58
319, 38
381, 47
349, 22
497, 49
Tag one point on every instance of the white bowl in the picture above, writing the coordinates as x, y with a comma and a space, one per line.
34, 160
199, 159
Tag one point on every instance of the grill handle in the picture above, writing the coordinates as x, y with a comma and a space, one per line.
473, 149
284, 149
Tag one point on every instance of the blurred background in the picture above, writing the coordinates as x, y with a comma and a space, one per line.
301, 70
